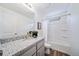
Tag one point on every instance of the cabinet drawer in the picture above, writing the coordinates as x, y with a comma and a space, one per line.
30, 52
40, 44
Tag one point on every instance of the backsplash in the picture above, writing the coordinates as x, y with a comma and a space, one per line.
6, 40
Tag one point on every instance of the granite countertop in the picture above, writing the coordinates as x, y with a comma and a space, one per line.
13, 47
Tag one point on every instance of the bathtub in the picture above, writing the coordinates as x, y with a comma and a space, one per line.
65, 48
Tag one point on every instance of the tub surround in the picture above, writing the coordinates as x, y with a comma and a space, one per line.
65, 48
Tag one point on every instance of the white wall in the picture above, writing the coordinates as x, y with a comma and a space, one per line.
12, 22
45, 29
74, 22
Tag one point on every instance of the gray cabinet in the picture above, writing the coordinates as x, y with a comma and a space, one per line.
35, 50
30, 52
40, 48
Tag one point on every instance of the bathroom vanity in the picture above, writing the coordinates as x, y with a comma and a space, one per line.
24, 47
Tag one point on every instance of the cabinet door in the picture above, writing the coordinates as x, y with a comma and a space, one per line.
40, 44
30, 52
40, 52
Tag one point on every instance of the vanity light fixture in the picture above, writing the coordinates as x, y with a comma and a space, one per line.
27, 5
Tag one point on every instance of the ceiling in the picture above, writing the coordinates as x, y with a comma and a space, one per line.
19, 8
44, 9
41, 10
